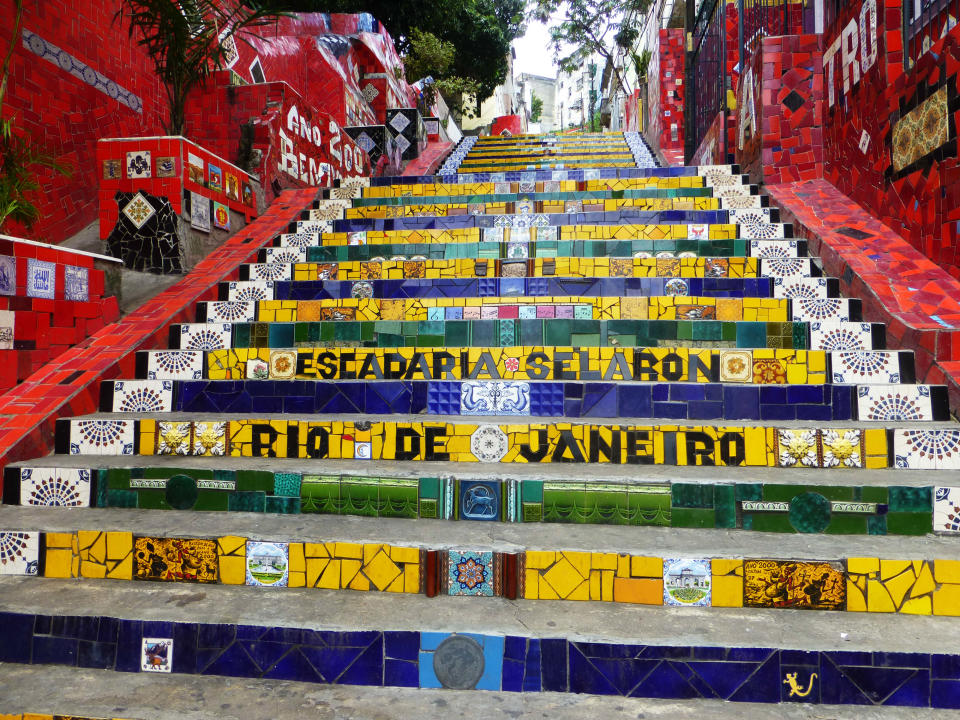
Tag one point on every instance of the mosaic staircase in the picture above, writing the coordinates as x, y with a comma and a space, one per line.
552, 331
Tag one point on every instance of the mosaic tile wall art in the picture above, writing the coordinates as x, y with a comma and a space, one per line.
496, 662
873, 584
145, 236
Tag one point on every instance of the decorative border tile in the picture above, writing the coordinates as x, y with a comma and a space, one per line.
55, 487
142, 396
226, 311
865, 366
250, 291
19, 553
203, 336
894, 403
835, 336
175, 364
41, 279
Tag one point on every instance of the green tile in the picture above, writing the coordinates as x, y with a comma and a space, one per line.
848, 524
398, 497
725, 505
360, 496
320, 494
121, 499
909, 523
531, 491
692, 495
750, 491
286, 484
210, 500
877, 525
282, 504
910, 499
692, 518
255, 480
768, 522
250, 501
873, 494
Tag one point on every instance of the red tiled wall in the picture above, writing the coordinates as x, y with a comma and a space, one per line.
511, 123
665, 94
710, 151
924, 205
66, 114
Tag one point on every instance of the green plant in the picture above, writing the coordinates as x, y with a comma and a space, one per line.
19, 157
536, 107
429, 56
187, 40
641, 63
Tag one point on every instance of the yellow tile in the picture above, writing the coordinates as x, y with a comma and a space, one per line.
539, 559
855, 599
119, 545
603, 561
295, 558
546, 591
581, 592
411, 578
946, 600
405, 554
359, 580
297, 579
606, 585
924, 583
638, 590
898, 585
381, 570
232, 545
348, 570
233, 570
862, 566
891, 568
563, 577
946, 571
90, 569
531, 584
646, 567
878, 599
727, 591
918, 606
580, 562
318, 568
58, 563
120, 570
724, 566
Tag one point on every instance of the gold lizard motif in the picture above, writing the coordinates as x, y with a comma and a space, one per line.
795, 688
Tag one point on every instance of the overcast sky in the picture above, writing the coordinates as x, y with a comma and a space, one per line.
533, 52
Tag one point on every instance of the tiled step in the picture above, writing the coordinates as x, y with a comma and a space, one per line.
664, 364
534, 249
413, 439
521, 649
503, 195
479, 333
867, 502
260, 290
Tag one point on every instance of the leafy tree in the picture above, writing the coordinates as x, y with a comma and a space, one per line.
480, 32
536, 107
581, 28
429, 56
19, 157
186, 39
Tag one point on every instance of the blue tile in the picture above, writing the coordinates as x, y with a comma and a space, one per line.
331, 663
367, 669
129, 646
401, 645
99, 655
672, 411
48, 650
232, 661
401, 673
915, 692
185, 644
585, 677
17, 637
903, 660
741, 403
945, 694
532, 671
837, 688
294, 666
723, 678
764, 685
665, 681
704, 410
553, 663
264, 654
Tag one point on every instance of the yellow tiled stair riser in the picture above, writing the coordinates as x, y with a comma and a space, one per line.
549, 206
560, 267
919, 587
40, 716
563, 186
763, 366
668, 307
560, 442
719, 231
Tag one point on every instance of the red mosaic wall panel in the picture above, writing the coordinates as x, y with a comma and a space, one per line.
66, 113
666, 119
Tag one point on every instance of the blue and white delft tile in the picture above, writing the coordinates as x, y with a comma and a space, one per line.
489, 443
75, 283
479, 500
203, 336
102, 437
495, 398
549, 233
926, 449
894, 403
250, 290
722, 180
329, 210
7, 329
470, 573
175, 364
267, 564
55, 487
316, 227
746, 216
142, 396
19, 553
865, 367
41, 279
713, 170
222, 311
492, 234
796, 267
733, 197
8, 275
800, 287
271, 271
285, 254
820, 309
773, 248
686, 582
302, 239
138, 164
502, 188
518, 250
841, 336
946, 509
762, 231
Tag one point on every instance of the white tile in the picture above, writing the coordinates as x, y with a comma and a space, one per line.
250, 290
204, 336
865, 367
226, 311
795, 267
55, 487
102, 437
813, 287
814, 309
730, 199
946, 509
686, 583
286, 254
773, 248
841, 336
926, 449
300, 239
894, 402
762, 231
270, 271
175, 364
495, 398
142, 396
19, 553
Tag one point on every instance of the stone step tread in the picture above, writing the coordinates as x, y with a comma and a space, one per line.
151, 696
604, 473
577, 621
642, 541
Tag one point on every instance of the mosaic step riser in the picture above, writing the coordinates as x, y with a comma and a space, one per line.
619, 217
432, 309
761, 367
509, 663
544, 207
796, 288
768, 507
744, 224
687, 267
536, 249
838, 336
508, 196
518, 442
674, 401
869, 584
707, 171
